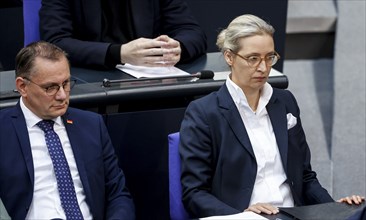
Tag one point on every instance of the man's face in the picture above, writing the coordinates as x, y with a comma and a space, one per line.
46, 73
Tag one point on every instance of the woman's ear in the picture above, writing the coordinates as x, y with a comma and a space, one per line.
228, 55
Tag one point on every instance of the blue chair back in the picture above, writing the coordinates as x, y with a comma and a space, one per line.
177, 211
31, 20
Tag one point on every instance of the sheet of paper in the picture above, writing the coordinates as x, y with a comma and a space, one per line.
239, 216
141, 71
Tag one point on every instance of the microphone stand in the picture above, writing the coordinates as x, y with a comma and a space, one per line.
206, 74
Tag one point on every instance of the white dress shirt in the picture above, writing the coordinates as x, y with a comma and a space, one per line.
46, 203
270, 186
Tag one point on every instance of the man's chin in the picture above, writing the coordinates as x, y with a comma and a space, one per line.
59, 110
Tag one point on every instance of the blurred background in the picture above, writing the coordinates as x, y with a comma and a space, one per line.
325, 65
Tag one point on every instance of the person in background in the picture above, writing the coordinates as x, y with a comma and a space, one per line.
243, 147
103, 33
56, 162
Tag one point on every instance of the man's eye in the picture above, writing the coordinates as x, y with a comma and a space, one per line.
65, 84
51, 88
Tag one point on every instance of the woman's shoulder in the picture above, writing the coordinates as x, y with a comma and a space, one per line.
283, 94
286, 97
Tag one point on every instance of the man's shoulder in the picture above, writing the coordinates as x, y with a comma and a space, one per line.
79, 113
7, 111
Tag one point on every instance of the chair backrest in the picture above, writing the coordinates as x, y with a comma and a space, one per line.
31, 20
177, 211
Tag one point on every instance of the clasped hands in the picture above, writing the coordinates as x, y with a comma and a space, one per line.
157, 52
269, 209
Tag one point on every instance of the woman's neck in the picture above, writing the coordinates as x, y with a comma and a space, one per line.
253, 98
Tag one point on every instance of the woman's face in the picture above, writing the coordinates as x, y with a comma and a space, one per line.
251, 65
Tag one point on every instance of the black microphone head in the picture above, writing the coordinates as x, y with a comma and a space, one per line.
206, 74
106, 83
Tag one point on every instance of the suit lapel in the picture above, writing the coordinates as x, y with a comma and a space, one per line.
277, 115
20, 127
230, 112
72, 129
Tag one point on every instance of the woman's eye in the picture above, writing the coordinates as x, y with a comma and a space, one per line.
253, 58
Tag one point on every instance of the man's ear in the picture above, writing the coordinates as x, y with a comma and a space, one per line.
21, 86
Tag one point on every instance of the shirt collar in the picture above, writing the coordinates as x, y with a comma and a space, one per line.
239, 97
235, 91
32, 119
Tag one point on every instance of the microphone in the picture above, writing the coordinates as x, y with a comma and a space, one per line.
204, 74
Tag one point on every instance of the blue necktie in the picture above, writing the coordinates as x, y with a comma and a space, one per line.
64, 181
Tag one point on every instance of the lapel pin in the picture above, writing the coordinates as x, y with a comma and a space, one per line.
68, 121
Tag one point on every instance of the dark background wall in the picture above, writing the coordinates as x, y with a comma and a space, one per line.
214, 15
11, 34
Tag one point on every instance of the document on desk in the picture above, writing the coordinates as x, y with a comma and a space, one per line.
239, 216
147, 72
329, 211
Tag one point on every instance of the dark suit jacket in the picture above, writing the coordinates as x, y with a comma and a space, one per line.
76, 26
359, 215
103, 181
218, 163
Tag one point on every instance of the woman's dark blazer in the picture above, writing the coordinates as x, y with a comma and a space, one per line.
218, 163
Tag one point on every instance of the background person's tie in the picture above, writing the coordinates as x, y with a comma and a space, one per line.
64, 181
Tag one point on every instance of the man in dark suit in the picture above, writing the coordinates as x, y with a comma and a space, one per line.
103, 33
29, 183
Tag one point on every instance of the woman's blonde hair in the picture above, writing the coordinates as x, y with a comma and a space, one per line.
243, 26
